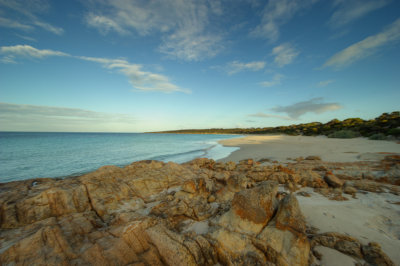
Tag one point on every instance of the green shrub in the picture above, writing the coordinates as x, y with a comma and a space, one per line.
344, 134
378, 136
394, 132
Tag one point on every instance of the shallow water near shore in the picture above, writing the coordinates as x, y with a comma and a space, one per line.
31, 155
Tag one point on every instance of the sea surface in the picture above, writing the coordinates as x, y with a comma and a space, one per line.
32, 155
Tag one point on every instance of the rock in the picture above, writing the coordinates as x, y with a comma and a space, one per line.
251, 208
170, 246
333, 181
343, 243
236, 249
304, 194
46, 246
349, 190
221, 176
284, 247
313, 158
230, 166
197, 213
189, 186
289, 216
211, 198
374, 255
367, 185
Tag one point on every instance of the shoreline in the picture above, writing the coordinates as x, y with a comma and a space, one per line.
355, 204
284, 148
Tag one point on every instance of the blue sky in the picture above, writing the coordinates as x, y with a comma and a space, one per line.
135, 66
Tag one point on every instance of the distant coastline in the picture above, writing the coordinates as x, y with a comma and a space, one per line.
384, 127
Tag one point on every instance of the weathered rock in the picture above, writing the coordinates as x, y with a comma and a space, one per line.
284, 247
367, 185
349, 190
46, 246
343, 243
289, 216
236, 249
201, 212
170, 246
374, 255
251, 209
333, 181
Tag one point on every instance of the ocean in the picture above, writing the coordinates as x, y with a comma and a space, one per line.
31, 155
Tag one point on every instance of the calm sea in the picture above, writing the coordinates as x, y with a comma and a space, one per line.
31, 155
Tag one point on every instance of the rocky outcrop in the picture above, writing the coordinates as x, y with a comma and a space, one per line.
198, 213
371, 253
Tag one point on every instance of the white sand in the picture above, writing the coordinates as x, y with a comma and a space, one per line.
369, 218
282, 147
331, 257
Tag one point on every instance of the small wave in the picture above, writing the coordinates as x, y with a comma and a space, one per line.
169, 156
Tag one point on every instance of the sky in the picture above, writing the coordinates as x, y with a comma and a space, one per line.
152, 65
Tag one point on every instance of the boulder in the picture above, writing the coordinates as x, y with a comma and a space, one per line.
289, 216
284, 247
251, 208
333, 181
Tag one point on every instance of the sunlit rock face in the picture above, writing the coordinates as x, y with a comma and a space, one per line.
197, 213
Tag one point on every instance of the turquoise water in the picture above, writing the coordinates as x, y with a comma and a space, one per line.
31, 155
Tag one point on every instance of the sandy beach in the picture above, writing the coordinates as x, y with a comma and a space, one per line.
282, 148
368, 217
340, 206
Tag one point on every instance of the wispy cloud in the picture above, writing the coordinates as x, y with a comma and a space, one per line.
104, 24
20, 117
350, 10
48, 27
284, 54
264, 115
28, 51
365, 48
30, 19
9, 23
182, 25
276, 80
324, 83
276, 13
315, 105
237, 66
139, 79
26, 38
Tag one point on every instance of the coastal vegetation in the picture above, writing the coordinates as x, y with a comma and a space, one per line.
386, 126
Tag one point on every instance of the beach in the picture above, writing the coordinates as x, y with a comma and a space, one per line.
278, 200
369, 217
283, 148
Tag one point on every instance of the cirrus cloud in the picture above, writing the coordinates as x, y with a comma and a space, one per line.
30, 19
138, 78
237, 66
284, 54
365, 48
350, 10
28, 51
277, 13
276, 80
182, 25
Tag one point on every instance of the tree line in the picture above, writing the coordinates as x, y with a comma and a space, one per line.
386, 126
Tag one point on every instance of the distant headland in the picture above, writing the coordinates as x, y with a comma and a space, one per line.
383, 127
